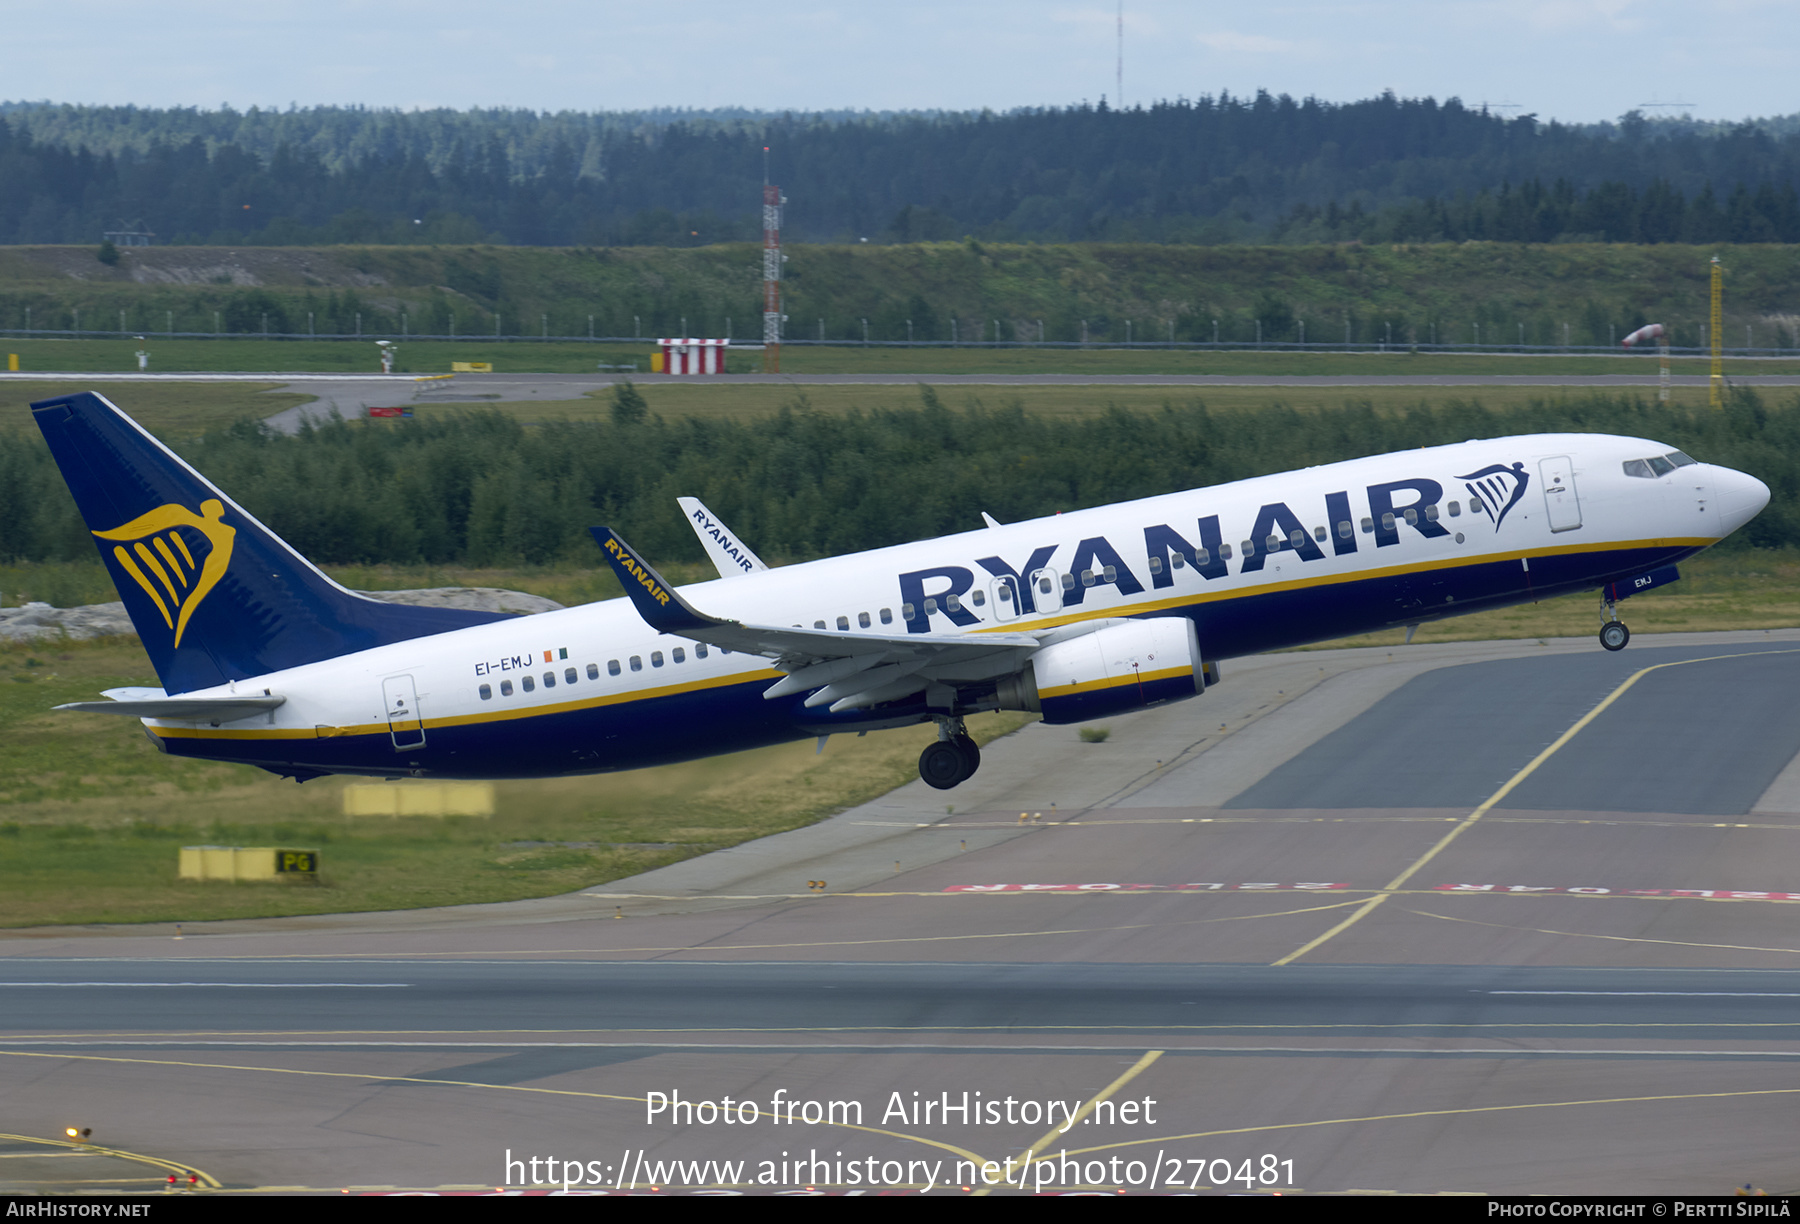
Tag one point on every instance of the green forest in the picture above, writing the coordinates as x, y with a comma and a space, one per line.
1209, 170
476, 488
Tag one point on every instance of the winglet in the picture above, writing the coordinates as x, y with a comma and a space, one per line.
730, 556
656, 601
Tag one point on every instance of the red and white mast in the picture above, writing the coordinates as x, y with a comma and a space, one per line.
772, 202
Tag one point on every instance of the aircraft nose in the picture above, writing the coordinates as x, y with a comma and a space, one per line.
1741, 497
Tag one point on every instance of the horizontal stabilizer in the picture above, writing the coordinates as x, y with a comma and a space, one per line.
191, 709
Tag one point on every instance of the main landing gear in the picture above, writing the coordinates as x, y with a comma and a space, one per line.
953, 759
1613, 634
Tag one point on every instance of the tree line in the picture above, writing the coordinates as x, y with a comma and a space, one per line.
1609, 212
1207, 170
478, 489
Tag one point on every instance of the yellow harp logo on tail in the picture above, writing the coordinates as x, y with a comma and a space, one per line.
160, 561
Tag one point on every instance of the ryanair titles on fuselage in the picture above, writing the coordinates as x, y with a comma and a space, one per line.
1493, 491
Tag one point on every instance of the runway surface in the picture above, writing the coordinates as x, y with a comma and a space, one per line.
1495, 917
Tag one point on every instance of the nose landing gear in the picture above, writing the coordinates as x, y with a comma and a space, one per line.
953, 759
1613, 634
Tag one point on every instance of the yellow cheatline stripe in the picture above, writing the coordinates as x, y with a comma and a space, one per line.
1512, 783
1094, 686
1677, 943
373, 1078
1205, 596
1441, 1113
510, 714
1174, 602
170, 1166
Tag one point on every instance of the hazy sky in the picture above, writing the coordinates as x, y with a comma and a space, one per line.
1567, 59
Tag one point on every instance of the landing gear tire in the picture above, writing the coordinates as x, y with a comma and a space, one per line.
1614, 635
942, 765
971, 754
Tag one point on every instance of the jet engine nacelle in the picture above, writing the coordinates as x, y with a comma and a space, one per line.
1124, 666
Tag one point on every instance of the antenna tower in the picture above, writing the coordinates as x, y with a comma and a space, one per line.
1119, 82
772, 202
1717, 382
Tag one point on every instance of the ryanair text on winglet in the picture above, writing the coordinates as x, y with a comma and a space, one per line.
637, 571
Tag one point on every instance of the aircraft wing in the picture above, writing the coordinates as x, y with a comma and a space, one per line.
849, 669
729, 554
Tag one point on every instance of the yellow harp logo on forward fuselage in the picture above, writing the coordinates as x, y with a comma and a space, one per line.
160, 561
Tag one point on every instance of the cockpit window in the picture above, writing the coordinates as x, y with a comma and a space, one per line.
1654, 466
1639, 468
1679, 459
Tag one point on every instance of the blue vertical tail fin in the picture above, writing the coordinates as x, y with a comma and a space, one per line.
214, 594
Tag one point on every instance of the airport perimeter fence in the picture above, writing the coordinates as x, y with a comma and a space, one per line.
752, 343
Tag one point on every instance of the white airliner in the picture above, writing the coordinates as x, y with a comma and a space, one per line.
267, 662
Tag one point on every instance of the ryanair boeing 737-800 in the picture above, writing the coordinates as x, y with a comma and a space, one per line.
266, 661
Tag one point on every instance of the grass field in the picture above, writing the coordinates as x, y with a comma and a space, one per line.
92, 816
171, 409
179, 410
255, 355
